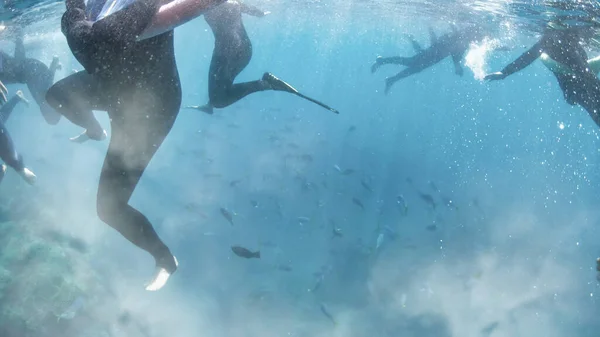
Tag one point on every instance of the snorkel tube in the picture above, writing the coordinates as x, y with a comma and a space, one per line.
176, 13
169, 16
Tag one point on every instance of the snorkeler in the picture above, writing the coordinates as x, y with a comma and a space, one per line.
8, 153
137, 82
454, 44
231, 55
34, 73
562, 53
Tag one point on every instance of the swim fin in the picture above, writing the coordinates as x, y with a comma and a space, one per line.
204, 108
84, 137
2, 172
280, 85
160, 277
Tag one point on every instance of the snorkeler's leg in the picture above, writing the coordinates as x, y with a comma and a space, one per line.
135, 138
39, 79
7, 108
405, 61
75, 97
12, 158
390, 81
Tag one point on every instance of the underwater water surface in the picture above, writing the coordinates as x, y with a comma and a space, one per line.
450, 207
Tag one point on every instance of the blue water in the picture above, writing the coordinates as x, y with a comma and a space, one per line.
511, 166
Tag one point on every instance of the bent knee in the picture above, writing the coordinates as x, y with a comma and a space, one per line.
53, 97
51, 116
108, 209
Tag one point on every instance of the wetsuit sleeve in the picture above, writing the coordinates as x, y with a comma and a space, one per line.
524, 60
251, 10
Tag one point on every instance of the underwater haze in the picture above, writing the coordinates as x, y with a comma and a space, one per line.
450, 207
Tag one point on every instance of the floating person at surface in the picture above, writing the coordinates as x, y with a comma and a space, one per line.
137, 82
34, 73
561, 50
454, 44
231, 55
8, 153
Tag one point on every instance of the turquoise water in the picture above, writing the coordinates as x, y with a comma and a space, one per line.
511, 166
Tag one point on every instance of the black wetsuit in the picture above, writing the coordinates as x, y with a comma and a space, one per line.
8, 153
232, 53
564, 46
137, 82
453, 45
34, 73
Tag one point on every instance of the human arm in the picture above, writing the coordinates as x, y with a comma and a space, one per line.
251, 10
519, 64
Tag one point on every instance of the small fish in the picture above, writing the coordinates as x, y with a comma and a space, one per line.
306, 158
293, 145
352, 128
428, 199
208, 234
337, 168
392, 234
433, 186
337, 232
303, 220
245, 253
402, 204
431, 228
234, 183
403, 300
358, 203
212, 175
347, 172
254, 203
379, 242
284, 267
327, 314
227, 215
489, 329
366, 186
78, 245
73, 309
320, 278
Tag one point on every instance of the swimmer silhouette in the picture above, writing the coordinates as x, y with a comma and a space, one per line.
34, 73
231, 55
453, 44
8, 153
137, 82
561, 50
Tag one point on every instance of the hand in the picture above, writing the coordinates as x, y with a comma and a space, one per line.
494, 76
